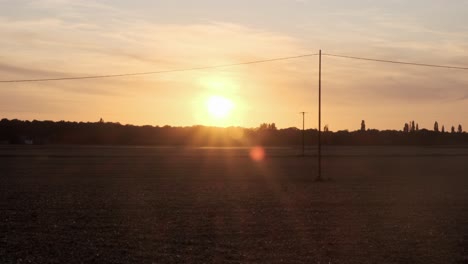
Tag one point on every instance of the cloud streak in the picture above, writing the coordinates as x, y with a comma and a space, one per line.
74, 38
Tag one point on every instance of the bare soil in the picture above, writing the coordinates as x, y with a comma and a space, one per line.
71, 204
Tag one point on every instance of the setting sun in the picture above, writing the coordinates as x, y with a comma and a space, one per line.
219, 107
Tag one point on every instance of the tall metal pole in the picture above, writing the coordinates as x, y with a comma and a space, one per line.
303, 133
319, 176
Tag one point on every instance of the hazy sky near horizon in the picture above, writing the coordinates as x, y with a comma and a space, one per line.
64, 38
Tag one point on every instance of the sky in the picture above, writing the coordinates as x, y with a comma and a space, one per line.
66, 38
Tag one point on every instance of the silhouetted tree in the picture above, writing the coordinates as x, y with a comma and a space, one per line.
452, 130
406, 128
101, 120
436, 126
266, 126
417, 127
94, 133
443, 129
325, 128
363, 125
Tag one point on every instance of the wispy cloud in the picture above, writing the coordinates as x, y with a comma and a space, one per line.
73, 38
48, 47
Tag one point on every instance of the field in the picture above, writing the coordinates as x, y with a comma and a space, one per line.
70, 204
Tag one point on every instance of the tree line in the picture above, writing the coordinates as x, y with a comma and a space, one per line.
108, 133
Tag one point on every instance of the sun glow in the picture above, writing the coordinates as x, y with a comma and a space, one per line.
219, 107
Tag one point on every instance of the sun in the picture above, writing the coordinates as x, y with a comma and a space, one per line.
219, 107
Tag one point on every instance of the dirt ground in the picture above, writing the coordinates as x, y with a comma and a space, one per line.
72, 204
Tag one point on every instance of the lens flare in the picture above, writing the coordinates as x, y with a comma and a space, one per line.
257, 153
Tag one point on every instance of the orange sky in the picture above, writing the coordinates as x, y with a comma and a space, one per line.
62, 38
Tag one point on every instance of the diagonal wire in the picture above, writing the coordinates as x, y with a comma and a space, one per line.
396, 62
232, 65
158, 72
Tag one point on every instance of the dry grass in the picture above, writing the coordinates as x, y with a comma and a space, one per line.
176, 205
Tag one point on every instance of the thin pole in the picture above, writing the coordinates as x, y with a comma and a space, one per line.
303, 133
319, 176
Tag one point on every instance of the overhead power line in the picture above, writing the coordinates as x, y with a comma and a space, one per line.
158, 72
396, 62
232, 65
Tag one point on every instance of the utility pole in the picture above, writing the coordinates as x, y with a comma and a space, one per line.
319, 176
303, 133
